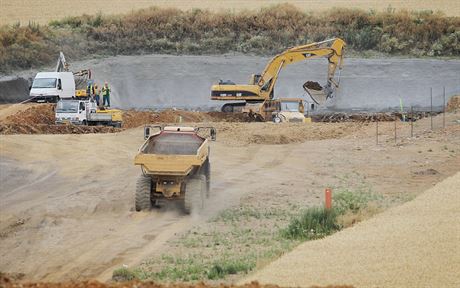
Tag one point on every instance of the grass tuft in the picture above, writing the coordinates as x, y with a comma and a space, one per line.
313, 223
123, 274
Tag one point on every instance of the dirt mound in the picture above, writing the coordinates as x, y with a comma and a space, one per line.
39, 119
7, 110
453, 104
8, 283
36, 114
284, 133
53, 129
133, 118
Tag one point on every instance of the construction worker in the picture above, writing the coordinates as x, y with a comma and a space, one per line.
96, 94
106, 94
90, 90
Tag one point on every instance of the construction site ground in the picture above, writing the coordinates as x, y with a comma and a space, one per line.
67, 200
412, 245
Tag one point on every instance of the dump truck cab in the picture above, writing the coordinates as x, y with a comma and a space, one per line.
289, 110
277, 110
175, 166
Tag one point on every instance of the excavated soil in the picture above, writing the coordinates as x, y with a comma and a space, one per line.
133, 118
8, 283
240, 134
39, 119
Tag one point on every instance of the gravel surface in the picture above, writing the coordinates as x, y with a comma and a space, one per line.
413, 245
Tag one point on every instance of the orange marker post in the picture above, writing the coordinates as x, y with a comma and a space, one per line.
328, 198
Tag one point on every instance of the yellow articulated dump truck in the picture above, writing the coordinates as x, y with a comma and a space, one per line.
175, 167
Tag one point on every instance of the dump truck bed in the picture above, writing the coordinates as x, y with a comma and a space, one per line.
172, 153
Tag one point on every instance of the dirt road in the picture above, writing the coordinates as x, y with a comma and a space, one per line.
66, 209
413, 245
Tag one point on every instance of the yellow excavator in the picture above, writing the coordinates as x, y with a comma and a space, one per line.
261, 86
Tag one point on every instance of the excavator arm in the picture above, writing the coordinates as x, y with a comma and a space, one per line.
262, 86
334, 54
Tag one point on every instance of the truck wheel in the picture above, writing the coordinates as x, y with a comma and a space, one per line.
227, 108
143, 201
194, 193
207, 174
277, 119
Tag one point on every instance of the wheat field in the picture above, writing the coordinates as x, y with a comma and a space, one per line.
42, 11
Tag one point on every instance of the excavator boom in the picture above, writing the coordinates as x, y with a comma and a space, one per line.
262, 86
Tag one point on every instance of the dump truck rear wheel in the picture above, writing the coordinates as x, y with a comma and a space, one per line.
194, 193
143, 191
207, 174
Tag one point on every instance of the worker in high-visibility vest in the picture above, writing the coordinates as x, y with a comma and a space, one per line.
106, 94
90, 90
96, 94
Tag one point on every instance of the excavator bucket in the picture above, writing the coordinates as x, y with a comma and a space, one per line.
317, 92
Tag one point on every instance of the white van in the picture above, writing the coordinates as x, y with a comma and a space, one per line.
52, 86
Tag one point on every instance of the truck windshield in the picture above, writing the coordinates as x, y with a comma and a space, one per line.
67, 107
44, 83
290, 106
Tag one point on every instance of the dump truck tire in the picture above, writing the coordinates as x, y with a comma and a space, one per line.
194, 193
207, 174
143, 192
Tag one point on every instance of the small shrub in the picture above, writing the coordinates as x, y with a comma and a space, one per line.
352, 201
123, 274
230, 267
313, 223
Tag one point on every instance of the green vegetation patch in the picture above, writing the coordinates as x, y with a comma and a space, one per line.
241, 239
313, 223
264, 32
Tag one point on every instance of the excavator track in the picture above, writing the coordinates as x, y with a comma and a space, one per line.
233, 107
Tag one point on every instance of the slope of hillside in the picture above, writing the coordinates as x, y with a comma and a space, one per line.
413, 245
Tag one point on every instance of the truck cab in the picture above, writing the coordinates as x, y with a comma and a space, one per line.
86, 112
288, 110
74, 111
52, 86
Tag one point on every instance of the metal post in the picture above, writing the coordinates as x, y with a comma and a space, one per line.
431, 107
396, 119
411, 122
328, 198
377, 132
444, 108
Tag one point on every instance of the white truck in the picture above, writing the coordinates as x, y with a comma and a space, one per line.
52, 86
85, 112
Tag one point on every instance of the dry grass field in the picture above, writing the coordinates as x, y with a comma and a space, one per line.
42, 11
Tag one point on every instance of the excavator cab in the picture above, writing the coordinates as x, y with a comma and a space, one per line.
254, 79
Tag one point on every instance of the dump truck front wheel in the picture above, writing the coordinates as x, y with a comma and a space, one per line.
143, 201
